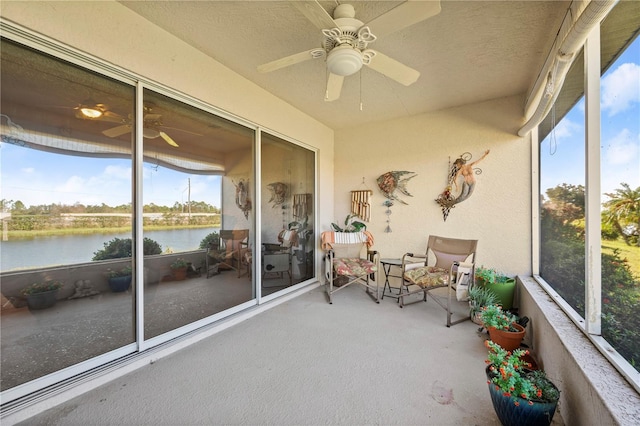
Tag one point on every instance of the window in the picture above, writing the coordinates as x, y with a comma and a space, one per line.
288, 176
66, 189
142, 203
564, 188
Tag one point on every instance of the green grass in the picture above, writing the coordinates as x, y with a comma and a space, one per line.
76, 231
631, 253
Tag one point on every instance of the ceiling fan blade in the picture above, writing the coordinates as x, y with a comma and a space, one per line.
393, 69
152, 117
117, 131
315, 13
181, 130
168, 139
334, 87
112, 117
291, 60
404, 15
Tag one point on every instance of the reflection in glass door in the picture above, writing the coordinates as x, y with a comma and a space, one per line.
288, 194
197, 214
66, 215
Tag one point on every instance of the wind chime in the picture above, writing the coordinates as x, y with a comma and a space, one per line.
360, 204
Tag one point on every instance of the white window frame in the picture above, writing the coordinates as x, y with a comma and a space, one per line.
591, 324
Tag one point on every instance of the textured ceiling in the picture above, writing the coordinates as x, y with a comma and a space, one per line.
470, 52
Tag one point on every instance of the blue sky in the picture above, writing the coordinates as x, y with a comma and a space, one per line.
562, 152
36, 177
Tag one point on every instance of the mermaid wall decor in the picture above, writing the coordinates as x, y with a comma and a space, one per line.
460, 183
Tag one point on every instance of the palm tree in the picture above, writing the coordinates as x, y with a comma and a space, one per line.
623, 208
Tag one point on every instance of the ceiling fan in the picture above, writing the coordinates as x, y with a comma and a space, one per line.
151, 130
346, 39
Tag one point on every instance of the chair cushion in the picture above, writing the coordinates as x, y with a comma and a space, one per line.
428, 276
354, 266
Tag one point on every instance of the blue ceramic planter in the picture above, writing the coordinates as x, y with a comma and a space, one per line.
120, 284
523, 414
43, 300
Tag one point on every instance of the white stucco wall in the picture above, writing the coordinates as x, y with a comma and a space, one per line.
112, 32
498, 213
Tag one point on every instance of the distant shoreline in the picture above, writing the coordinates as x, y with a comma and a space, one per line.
16, 235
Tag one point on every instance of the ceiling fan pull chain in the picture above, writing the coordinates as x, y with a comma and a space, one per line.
361, 99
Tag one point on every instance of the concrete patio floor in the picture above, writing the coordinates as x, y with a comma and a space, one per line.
306, 362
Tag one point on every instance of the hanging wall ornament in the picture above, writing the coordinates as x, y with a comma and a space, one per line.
388, 203
460, 183
279, 192
242, 197
391, 182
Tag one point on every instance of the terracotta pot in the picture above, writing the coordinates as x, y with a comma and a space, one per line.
509, 340
180, 274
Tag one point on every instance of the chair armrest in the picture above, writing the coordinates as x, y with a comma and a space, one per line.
407, 260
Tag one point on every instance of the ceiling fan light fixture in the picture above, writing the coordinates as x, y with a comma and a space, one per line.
344, 60
150, 133
91, 112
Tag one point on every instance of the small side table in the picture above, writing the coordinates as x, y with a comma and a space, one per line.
386, 267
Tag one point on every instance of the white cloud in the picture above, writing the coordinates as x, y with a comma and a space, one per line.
621, 88
28, 170
118, 172
566, 129
621, 149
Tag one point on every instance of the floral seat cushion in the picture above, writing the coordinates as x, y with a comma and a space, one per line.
354, 266
428, 276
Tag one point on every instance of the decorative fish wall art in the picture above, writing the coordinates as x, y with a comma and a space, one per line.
279, 192
390, 183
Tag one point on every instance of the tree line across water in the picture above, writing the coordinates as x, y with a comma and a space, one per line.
79, 216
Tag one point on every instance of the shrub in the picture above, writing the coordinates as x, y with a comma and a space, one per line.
42, 287
208, 240
122, 247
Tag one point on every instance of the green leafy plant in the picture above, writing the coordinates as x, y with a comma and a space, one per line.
126, 271
494, 316
350, 225
491, 275
211, 240
179, 263
480, 297
49, 285
511, 375
122, 247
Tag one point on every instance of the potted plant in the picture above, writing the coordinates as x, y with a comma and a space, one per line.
350, 225
502, 285
480, 297
119, 280
520, 396
503, 327
42, 295
179, 269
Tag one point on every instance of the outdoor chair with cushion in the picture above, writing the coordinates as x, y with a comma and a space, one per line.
447, 263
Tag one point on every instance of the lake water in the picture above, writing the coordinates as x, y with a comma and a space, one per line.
70, 249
